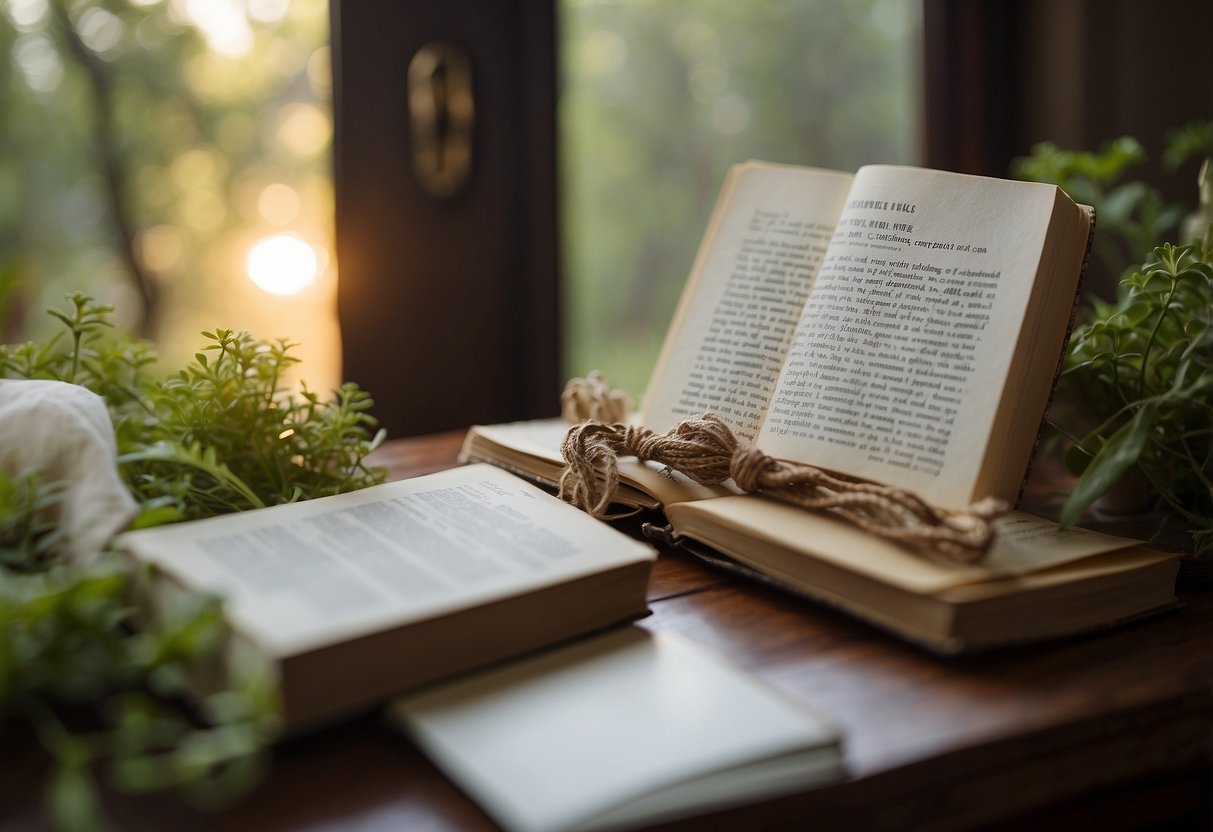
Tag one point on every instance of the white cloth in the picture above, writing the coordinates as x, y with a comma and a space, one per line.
62, 432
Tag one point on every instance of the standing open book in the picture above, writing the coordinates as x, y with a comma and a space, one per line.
901, 325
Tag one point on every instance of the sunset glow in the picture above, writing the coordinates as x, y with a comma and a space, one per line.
283, 264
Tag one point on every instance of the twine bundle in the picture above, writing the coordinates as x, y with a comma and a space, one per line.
592, 398
705, 450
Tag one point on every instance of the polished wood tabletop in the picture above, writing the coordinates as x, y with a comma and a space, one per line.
1107, 731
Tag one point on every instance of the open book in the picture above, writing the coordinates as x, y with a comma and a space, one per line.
626, 729
347, 600
900, 325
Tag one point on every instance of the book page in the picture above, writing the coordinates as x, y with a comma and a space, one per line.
759, 257
299, 576
900, 358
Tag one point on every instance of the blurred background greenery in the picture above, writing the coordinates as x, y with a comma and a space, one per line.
658, 99
171, 157
158, 154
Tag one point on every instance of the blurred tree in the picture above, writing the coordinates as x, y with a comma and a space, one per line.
145, 144
108, 159
660, 98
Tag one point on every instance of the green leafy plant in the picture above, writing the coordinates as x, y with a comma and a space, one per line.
1144, 366
223, 434
1136, 393
96, 693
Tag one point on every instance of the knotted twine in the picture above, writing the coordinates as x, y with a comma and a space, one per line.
706, 451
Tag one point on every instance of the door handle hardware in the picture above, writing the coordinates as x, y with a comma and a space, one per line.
442, 114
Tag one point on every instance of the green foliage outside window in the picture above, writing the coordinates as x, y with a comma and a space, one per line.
658, 99
138, 142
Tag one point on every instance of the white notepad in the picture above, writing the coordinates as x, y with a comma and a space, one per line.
626, 728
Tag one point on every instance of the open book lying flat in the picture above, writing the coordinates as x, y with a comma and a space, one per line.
903, 326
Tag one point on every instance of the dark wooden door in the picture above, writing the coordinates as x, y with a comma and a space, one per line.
447, 292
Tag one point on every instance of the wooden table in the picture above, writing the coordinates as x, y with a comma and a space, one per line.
1113, 731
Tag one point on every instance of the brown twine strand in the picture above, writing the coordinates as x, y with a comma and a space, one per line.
705, 450
592, 398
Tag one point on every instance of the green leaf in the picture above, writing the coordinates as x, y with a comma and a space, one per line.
1134, 314
157, 515
73, 800
1122, 450
1121, 201
1078, 458
141, 774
